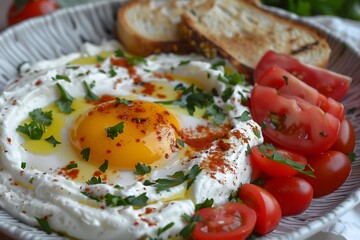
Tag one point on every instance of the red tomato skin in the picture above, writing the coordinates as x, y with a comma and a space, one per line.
331, 169
229, 210
328, 83
31, 9
306, 129
288, 84
268, 210
273, 168
294, 194
345, 141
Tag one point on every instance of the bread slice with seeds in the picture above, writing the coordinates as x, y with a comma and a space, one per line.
242, 31
151, 26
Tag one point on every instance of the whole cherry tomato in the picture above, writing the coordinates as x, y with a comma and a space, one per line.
331, 169
294, 194
231, 221
21, 10
345, 141
267, 208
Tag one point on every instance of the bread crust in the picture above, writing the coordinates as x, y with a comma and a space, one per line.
140, 44
206, 41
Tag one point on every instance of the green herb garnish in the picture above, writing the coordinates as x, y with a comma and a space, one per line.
207, 203
72, 166
115, 201
113, 131
244, 117
94, 181
65, 100
142, 169
104, 166
90, 95
44, 224
85, 153
52, 140
34, 130
39, 116
62, 77
191, 223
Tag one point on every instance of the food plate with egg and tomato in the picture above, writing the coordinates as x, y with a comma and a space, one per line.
101, 144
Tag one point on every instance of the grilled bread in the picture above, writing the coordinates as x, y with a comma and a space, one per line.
241, 31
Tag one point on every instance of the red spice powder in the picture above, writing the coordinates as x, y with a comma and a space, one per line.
38, 83
149, 88
168, 76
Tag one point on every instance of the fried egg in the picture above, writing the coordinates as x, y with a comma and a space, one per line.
114, 145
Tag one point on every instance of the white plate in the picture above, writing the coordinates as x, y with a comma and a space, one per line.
64, 32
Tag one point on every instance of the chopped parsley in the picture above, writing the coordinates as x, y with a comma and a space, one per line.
23, 165
286, 78
34, 130
72, 166
136, 60
216, 114
191, 223
119, 53
65, 100
62, 77
122, 101
248, 150
207, 203
104, 166
232, 79
99, 59
44, 225
142, 169
94, 181
90, 95
113, 131
217, 64
244, 117
52, 140
227, 94
164, 229
351, 157
115, 201
164, 184
85, 153
180, 142
112, 72
39, 116
186, 62
270, 152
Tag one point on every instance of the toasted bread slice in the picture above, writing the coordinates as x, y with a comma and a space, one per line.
242, 31
150, 26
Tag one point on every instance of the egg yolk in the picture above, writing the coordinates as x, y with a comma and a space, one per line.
125, 133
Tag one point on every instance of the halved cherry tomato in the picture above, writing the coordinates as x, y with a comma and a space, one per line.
329, 83
331, 169
293, 123
294, 194
268, 211
272, 167
231, 221
345, 141
288, 84
31, 8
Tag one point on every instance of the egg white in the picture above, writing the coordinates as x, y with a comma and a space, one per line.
38, 191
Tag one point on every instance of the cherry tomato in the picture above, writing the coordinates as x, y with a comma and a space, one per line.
331, 169
345, 141
231, 221
272, 167
32, 8
288, 84
268, 211
328, 83
294, 194
293, 123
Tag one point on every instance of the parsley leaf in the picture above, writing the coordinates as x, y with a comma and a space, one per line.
232, 79
136, 60
112, 132
34, 130
39, 116
177, 178
65, 100
99, 59
244, 117
90, 95
44, 225
216, 114
227, 94
52, 140
61, 77
23, 165
191, 223
115, 201
94, 181
122, 101
164, 229
351, 157
104, 166
142, 169
186, 62
119, 53
180, 142
207, 203
270, 152
85, 153
218, 64
72, 166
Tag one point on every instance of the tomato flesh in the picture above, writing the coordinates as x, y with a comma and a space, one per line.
230, 221
294, 194
268, 211
331, 169
30, 9
328, 83
293, 123
274, 168
288, 84
345, 142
